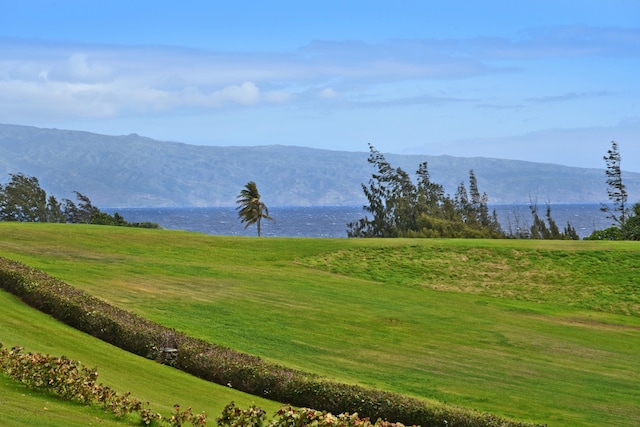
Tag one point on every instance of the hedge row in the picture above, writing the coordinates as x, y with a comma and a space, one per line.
225, 366
70, 380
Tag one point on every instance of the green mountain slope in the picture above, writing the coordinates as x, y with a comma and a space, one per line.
134, 171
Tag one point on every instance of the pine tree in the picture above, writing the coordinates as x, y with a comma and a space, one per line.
54, 210
554, 231
462, 203
539, 229
430, 194
391, 196
23, 200
81, 213
616, 189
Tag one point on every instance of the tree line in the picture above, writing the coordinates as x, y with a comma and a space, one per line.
398, 207
22, 199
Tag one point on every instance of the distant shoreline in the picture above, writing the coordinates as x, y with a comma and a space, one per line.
331, 221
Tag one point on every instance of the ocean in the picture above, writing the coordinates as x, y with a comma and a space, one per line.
331, 221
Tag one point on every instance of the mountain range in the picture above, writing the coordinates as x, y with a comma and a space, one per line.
135, 171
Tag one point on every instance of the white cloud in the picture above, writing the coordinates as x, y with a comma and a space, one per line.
278, 97
328, 93
98, 80
55, 99
246, 94
80, 68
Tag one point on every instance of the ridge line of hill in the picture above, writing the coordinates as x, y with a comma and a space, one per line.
136, 171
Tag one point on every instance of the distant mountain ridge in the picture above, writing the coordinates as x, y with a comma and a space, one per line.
135, 171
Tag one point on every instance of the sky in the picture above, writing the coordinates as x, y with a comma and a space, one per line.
544, 81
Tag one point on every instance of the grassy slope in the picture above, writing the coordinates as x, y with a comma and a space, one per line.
21, 408
160, 385
542, 331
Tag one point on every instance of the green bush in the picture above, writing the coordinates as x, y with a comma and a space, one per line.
611, 233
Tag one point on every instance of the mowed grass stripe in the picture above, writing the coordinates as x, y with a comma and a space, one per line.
358, 311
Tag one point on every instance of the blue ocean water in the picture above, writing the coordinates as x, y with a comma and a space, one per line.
316, 221
331, 221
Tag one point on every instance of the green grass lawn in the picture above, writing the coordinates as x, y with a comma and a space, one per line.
544, 331
151, 382
20, 407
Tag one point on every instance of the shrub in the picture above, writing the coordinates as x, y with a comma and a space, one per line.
611, 233
287, 416
70, 380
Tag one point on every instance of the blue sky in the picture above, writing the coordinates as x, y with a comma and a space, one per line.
546, 81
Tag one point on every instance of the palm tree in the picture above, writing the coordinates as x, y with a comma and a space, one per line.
251, 208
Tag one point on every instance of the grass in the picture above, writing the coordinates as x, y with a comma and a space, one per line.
535, 330
598, 280
151, 382
20, 407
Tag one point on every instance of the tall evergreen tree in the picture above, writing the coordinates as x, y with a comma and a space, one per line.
479, 208
22, 199
430, 194
402, 202
631, 228
462, 203
385, 193
82, 212
554, 231
570, 232
54, 210
548, 230
539, 228
616, 190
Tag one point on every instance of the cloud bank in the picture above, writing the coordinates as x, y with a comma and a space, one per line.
57, 80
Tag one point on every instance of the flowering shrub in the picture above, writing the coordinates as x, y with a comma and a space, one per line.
70, 380
60, 375
288, 416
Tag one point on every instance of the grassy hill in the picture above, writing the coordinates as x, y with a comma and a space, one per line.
151, 382
534, 330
